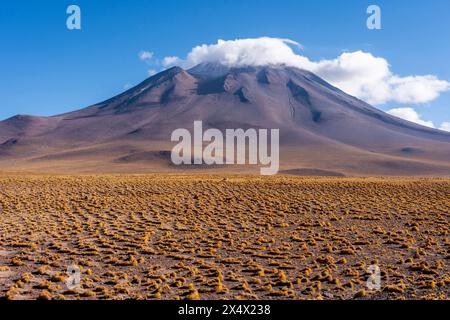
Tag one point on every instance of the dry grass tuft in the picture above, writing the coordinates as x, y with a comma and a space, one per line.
206, 237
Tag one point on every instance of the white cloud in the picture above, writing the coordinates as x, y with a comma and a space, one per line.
410, 114
369, 78
152, 72
358, 73
145, 55
445, 126
169, 61
244, 52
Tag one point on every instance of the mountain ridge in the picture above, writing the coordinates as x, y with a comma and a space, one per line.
314, 118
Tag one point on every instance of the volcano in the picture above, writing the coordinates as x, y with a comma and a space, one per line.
323, 131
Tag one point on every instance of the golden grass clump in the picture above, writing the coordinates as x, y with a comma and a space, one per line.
44, 295
192, 237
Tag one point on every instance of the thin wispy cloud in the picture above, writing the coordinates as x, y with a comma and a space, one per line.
145, 55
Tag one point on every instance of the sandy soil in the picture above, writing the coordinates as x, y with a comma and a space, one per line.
223, 237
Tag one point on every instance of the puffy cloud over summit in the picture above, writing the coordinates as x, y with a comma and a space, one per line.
358, 73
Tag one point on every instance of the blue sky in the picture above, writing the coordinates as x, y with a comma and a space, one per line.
47, 69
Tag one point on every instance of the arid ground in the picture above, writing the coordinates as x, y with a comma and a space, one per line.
223, 237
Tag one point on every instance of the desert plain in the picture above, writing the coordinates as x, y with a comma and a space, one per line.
173, 236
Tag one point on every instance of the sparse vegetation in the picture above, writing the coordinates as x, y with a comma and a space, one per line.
206, 237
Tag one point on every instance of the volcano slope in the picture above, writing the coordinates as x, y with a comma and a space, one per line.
322, 129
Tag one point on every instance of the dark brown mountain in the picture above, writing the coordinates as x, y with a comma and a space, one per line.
322, 129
